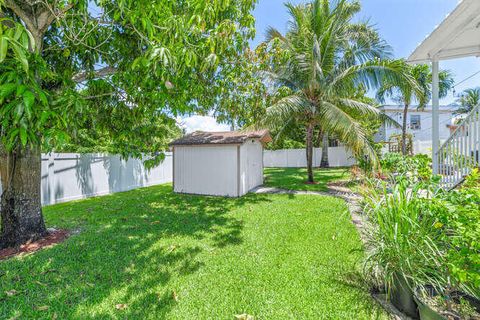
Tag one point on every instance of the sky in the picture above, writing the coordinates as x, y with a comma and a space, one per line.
402, 23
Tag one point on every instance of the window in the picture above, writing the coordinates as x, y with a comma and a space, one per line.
415, 122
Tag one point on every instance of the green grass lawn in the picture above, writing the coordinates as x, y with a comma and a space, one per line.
152, 254
295, 178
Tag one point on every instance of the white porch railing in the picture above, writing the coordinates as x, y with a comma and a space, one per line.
461, 152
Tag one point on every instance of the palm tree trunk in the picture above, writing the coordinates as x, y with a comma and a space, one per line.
20, 203
404, 130
324, 162
309, 143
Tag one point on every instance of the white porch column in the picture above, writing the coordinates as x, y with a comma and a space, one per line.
435, 115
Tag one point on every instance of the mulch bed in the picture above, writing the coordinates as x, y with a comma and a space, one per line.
53, 237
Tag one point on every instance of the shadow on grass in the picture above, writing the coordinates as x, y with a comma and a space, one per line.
356, 280
132, 249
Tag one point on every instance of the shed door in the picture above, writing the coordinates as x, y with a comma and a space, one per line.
254, 164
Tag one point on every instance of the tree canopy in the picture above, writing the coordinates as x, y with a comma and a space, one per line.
121, 69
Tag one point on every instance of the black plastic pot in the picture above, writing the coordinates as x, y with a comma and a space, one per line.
427, 313
402, 297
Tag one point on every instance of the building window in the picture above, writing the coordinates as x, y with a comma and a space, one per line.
415, 122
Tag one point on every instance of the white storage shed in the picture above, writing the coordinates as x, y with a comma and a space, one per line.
219, 163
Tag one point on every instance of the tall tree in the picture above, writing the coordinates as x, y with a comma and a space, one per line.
468, 100
330, 58
123, 68
406, 94
324, 163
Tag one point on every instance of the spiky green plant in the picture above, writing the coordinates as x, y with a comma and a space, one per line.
404, 235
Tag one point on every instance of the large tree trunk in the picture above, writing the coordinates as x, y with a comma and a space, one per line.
404, 130
309, 142
324, 162
20, 203
20, 171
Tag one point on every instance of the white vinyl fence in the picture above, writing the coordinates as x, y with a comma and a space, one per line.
296, 158
70, 176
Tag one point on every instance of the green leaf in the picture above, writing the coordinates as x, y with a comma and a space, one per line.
23, 136
32, 39
28, 99
43, 97
6, 108
18, 33
20, 55
7, 89
3, 48
21, 89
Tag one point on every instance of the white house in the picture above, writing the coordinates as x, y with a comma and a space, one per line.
419, 122
219, 163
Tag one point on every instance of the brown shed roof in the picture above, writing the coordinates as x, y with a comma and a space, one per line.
219, 138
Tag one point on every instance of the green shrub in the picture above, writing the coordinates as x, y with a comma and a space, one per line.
391, 160
462, 236
417, 167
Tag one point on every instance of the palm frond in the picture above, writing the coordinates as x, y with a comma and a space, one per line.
361, 108
285, 109
387, 120
350, 132
272, 34
372, 74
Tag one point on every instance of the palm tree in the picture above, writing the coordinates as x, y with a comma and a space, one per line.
468, 100
324, 163
330, 59
406, 94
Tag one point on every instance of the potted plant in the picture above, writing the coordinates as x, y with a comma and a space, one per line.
452, 304
400, 241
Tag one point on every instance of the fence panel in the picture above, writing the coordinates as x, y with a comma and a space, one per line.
71, 176
67, 177
296, 158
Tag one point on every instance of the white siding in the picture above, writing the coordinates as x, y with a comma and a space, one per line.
422, 134
243, 175
208, 170
251, 165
